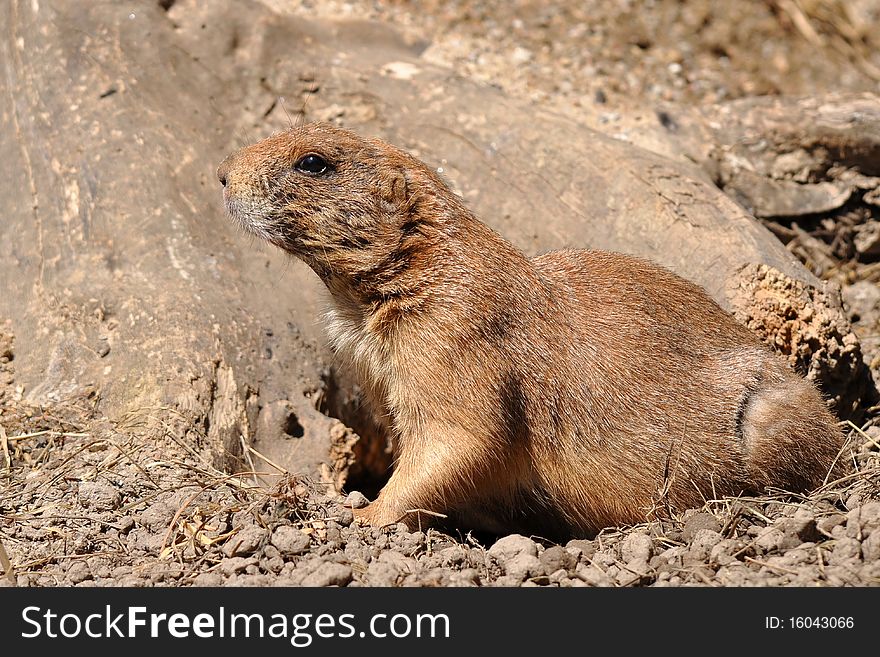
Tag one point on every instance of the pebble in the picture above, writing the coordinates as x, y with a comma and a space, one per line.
99, 495
346, 517
244, 542
356, 500
508, 580
863, 519
208, 579
584, 549
157, 515
381, 573
845, 550
289, 540
769, 539
512, 546
828, 523
871, 546
232, 565
521, 55
78, 571
701, 545
697, 522
801, 526
465, 577
517, 556
722, 552
329, 574
637, 547
556, 558
593, 576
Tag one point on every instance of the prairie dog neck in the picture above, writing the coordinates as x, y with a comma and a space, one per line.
452, 278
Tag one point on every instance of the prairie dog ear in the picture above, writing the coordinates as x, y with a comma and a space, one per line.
392, 186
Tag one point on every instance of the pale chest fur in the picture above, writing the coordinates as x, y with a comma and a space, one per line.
372, 353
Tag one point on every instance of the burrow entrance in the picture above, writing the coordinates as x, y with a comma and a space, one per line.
344, 400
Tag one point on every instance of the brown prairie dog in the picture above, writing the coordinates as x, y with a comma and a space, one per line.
555, 395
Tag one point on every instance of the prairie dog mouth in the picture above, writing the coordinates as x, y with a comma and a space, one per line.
246, 215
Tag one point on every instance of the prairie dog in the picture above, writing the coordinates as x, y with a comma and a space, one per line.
553, 395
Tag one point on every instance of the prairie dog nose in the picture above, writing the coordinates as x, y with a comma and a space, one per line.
223, 169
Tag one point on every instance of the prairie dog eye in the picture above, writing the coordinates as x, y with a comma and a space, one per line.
312, 165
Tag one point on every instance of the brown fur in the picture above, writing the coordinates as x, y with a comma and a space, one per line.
557, 395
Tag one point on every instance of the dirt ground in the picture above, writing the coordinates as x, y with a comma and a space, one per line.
85, 502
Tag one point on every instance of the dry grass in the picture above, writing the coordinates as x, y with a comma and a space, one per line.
836, 26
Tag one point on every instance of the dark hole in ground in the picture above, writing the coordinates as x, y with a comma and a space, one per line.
344, 400
293, 428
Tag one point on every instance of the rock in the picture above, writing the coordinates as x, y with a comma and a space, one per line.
637, 547
78, 571
697, 522
157, 515
593, 575
521, 55
453, 555
382, 573
208, 579
584, 549
512, 546
465, 577
800, 528
403, 563
356, 500
846, 550
701, 546
673, 555
141, 540
98, 495
769, 539
413, 540
273, 564
329, 574
120, 571
244, 542
629, 575
867, 238
233, 565
508, 580
722, 552
863, 299
853, 501
125, 524
523, 566
863, 519
556, 557
871, 546
346, 517
828, 523
290, 540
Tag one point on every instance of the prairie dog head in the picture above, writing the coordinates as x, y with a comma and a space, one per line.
343, 204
